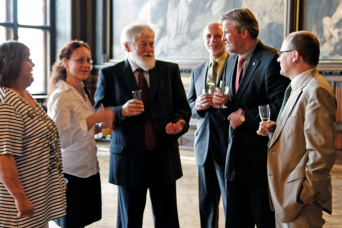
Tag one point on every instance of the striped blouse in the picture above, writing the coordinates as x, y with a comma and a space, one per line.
31, 137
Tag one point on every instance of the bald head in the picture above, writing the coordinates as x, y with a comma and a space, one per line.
212, 36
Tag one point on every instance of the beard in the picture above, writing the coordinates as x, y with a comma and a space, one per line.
145, 63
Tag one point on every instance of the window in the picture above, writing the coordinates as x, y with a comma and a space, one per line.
29, 23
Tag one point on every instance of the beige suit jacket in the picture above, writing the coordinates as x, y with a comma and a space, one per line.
302, 149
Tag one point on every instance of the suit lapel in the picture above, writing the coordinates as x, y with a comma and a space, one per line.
230, 70
127, 76
155, 76
203, 76
249, 71
288, 109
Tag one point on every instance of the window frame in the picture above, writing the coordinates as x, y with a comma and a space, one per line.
49, 31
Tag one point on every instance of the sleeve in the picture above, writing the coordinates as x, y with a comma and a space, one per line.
192, 96
319, 131
103, 96
60, 111
11, 131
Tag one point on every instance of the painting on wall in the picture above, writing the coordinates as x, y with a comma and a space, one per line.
178, 24
326, 23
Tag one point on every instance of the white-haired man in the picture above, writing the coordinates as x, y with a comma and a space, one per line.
144, 147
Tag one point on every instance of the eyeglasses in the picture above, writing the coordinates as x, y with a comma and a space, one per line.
281, 52
29, 60
82, 61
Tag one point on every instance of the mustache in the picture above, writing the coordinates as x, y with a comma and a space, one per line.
148, 54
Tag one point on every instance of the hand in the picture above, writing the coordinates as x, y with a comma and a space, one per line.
132, 107
175, 128
220, 99
106, 117
204, 101
24, 207
266, 127
234, 118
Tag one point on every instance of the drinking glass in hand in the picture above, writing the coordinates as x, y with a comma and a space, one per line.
137, 95
211, 88
264, 112
224, 87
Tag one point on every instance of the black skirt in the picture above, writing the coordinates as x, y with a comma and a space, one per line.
84, 204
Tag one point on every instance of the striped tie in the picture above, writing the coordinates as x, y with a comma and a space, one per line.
150, 132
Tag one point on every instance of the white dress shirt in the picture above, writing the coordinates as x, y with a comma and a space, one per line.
69, 110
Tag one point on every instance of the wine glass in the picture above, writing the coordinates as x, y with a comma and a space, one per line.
224, 87
265, 113
211, 88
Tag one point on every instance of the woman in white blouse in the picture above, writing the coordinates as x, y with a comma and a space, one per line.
71, 109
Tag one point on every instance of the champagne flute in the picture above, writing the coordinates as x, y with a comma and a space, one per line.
265, 113
224, 87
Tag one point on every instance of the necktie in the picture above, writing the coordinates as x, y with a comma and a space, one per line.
213, 71
150, 132
286, 97
239, 72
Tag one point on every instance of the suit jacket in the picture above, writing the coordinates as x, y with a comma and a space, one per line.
302, 149
212, 127
168, 104
261, 84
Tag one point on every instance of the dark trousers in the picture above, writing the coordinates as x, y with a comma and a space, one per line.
211, 184
132, 200
84, 204
248, 205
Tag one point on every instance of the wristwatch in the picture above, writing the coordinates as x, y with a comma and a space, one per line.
242, 116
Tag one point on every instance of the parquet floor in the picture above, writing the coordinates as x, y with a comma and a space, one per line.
188, 197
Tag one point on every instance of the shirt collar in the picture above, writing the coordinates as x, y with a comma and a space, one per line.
248, 54
220, 60
297, 81
61, 84
134, 66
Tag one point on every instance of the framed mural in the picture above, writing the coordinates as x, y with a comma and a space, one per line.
178, 24
326, 23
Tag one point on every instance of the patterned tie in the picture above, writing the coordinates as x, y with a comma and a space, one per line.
150, 132
239, 72
286, 97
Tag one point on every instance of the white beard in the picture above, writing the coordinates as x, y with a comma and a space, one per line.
145, 64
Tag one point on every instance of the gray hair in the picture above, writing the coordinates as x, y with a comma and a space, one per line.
243, 19
131, 32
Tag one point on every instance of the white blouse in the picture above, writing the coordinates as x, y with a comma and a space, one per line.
69, 110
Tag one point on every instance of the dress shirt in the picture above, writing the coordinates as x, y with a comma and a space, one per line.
69, 110
220, 64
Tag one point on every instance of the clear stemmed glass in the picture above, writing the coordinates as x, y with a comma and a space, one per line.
224, 87
211, 88
265, 113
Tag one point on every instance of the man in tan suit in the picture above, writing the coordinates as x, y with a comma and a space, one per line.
302, 142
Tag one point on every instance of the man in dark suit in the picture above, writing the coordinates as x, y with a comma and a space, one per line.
211, 137
254, 78
144, 151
